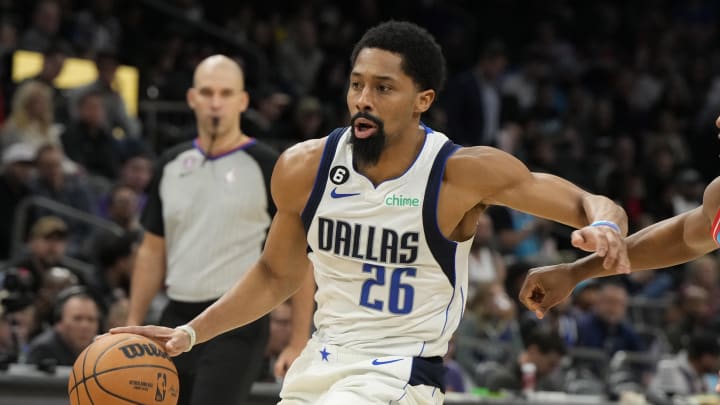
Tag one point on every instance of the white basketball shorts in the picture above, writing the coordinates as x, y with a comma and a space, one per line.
328, 375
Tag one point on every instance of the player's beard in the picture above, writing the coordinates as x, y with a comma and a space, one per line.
366, 152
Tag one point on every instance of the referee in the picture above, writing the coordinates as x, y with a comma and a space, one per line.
206, 218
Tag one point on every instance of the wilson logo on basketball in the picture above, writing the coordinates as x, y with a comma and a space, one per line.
134, 350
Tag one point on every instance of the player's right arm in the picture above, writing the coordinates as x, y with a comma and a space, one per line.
670, 242
281, 269
667, 243
147, 277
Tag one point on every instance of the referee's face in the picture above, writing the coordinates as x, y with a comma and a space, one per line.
218, 92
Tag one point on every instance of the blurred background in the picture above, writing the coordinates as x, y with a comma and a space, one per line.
619, 97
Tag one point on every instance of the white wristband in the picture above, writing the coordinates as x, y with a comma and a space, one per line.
191, 333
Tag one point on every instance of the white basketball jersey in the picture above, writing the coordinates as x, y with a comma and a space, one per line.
388, 281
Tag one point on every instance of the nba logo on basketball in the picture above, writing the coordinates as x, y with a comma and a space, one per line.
161, 387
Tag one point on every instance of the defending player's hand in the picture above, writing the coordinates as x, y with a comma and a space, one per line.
546, 287
175, 341
606, 243
286, 359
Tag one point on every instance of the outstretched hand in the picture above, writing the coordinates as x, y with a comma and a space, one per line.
175, 341
546, 287
606, 243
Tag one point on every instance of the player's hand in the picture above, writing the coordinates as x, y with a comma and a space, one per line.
605, 242
286, 359
175, 341
546, 287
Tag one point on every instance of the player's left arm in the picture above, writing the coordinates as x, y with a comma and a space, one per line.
504, 180
303, 306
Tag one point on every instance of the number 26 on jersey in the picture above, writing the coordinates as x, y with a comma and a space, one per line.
397, 297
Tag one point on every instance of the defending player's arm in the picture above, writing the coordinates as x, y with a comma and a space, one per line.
504, 180
667, 243
147, 277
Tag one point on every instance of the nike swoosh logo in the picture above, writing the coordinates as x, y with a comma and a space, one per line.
335, 194
378, 362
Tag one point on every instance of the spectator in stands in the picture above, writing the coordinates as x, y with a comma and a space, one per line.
560, 319
704, 272
300, 57
47, 249
88, 141
308, 119
45, 28
135, 173
52, 65
97, 29
485, 263
606, 327
263, 119
20, 326
491, 319
77, 322
585, 296
694, 317
649, 284
119, 123
17, 165
543, 349
685, 373
123, 210
520, 234
115, 257
31, 120
65, 188
473, 101
53, 281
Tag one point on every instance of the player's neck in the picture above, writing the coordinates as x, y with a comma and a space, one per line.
399, 154
223, 143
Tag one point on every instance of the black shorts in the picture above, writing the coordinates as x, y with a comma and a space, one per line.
222, 370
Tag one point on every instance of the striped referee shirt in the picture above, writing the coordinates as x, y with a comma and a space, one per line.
214, 215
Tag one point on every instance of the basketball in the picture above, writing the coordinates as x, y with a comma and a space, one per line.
123, 369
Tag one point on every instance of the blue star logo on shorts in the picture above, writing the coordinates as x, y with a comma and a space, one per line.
324, 353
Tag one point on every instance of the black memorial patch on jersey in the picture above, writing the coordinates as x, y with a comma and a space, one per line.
339, 174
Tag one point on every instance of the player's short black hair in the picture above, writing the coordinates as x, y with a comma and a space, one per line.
422, 57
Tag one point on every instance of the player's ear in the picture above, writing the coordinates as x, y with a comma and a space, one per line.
424, 100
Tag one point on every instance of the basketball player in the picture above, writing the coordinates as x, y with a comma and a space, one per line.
388, 207
206, 218
673, 241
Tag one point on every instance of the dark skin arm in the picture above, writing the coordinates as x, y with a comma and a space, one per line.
667, 243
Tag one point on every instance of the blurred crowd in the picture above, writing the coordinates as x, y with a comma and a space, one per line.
618, 97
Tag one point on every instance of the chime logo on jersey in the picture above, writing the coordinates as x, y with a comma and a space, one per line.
399, 200
381, 245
